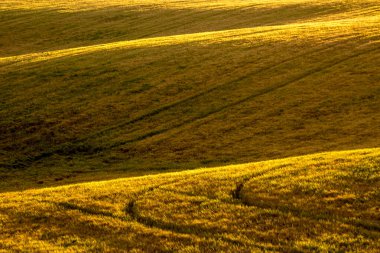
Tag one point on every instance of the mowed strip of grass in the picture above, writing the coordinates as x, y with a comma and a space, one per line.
188, 101
315, 203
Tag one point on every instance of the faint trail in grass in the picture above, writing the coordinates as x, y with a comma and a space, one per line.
252, 96
368, 225
26, 162
132, 210
85, 210
214, 88
43, 155
206, 92
236, 193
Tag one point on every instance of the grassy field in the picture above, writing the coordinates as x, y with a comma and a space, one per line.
189, 126
41, 25
326, 202
93, 89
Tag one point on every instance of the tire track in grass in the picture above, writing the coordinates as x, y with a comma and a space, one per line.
82, 228
259, 93
132, 210
208, 91
26, 162
214, 88
29, 160
21, 163
184, 100
236, 193
368, 225
92, 211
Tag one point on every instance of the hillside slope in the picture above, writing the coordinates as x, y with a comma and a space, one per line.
227, 82
42, 25
326, 202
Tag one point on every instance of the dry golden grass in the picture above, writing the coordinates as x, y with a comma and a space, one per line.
94, 90
286, 82
30, 26
326, 202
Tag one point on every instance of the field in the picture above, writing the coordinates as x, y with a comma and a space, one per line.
173, 125
315, 203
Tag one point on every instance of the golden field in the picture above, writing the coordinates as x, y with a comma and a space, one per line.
228, 82
189, 126
327, 202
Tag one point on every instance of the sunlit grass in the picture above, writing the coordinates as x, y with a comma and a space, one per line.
37, 26
143, 90
319, 202
267, 82
81, 5
368, 26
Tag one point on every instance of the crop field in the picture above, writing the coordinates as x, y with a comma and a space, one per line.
315, 203
189, 126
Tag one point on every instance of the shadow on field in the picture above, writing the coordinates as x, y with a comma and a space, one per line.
24, 31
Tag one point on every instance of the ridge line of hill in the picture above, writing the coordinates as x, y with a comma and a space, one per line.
165, 40
205, 170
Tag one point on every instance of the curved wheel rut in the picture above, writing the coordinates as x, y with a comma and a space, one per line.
132, 209
30, 160
243, 100
297, 212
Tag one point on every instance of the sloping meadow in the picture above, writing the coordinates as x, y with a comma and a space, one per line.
190, 100
96, 90
321, 202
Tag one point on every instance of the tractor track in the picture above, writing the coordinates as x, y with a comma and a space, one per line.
26, 162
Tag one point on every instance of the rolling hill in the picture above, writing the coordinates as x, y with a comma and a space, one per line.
189, 126
327, 202
168, 85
